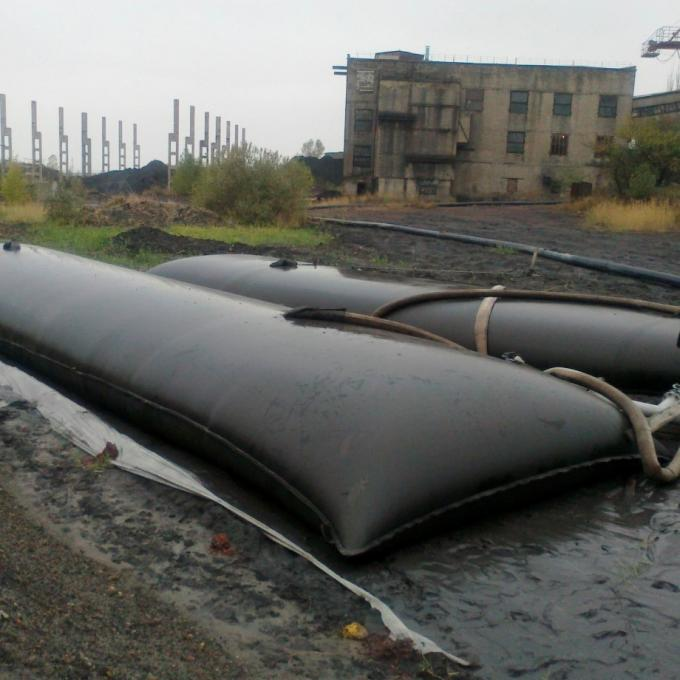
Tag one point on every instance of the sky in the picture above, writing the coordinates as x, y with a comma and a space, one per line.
267, 65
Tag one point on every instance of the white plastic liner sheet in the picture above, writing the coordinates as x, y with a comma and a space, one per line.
91, 434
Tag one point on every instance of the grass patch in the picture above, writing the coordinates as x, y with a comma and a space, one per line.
23, 213
87, 241
256, 236
92, 242
96, 242
651, 216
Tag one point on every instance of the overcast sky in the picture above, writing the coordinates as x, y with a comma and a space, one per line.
267, 65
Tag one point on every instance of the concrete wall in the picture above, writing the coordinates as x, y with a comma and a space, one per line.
428, 137
662, 106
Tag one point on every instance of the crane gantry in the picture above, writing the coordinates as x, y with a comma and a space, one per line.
666, 38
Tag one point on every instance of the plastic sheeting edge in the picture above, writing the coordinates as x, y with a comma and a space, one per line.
90, 433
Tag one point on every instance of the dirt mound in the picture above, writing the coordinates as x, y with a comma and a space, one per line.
133, 211
158, 241
154, 174
186, 214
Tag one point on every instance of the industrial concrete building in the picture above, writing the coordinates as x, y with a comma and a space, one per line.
663, 106
447, 130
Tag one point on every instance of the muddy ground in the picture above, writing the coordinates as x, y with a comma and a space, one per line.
73, 538
106, 575
393, 254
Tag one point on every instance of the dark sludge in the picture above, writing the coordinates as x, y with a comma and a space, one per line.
364, 433
634, 349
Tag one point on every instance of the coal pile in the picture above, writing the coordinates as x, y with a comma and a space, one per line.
130, 181
326, 171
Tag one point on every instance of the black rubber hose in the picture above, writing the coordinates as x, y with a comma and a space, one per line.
595, 263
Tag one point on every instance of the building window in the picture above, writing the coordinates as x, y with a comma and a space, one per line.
519, 101
474, 100
363, 120
559, 144
602, 144
562, 104
608, 105
362, 157
515, 142
657, 109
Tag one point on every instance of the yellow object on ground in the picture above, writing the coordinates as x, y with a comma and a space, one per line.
354, 631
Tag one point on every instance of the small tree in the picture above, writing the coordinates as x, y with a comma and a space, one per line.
313, 149
66, 205
642, 182
14, 186
186, 176
255, 187
651, 156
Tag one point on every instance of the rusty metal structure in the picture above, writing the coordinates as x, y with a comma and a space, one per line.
665, 38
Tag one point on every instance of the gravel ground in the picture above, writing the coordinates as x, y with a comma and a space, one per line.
107, 575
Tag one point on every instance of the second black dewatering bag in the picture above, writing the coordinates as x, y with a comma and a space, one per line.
362, 432
635, 347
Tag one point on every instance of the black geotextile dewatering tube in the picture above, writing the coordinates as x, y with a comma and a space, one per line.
595, 263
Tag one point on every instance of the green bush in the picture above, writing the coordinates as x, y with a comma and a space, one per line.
15, 189
66, 205
653, 149
255, 187
186, 176
642, 182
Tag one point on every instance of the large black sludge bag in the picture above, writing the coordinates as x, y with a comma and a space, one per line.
361, 432
635, 349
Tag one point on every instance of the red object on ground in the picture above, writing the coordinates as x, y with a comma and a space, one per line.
221, 544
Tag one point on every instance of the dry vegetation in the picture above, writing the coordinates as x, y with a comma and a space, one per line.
22, 213
652, 216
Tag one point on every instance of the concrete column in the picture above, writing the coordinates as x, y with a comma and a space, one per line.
173, 140
227, 141
216, 146
63, 145
122, 148
243, 136
5, 136
106, 148
36, 145
235, 135
190, 141
85, 147
204, 144
136, 149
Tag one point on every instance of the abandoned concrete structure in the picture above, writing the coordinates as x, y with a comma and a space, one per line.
662, 105
462, 130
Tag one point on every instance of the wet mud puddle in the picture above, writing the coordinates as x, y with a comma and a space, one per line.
587, 585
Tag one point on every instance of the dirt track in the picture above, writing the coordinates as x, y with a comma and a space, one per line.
548, 227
